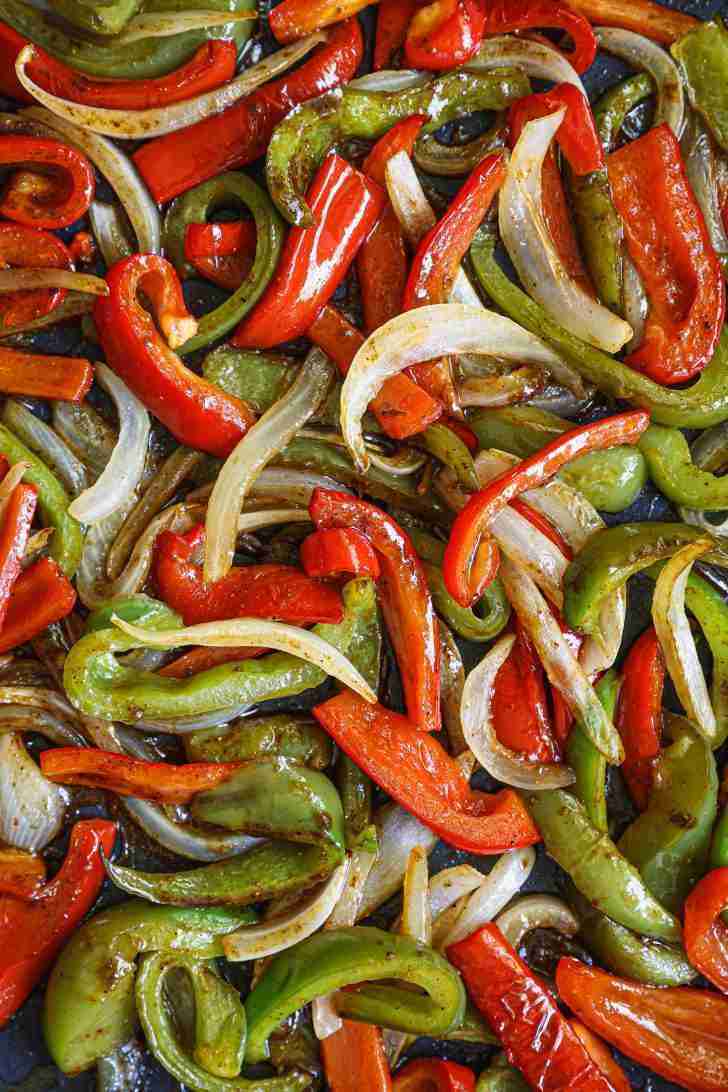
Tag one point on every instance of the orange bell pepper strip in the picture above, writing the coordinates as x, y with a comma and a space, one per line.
69, 196
27, 246
639, 714
41, 595
434, 1075
664, 25
445, 34
393, 19
354, 1059
601, 1055
507, 16
14, 534
294, 19
705, 933
339, 551
415, 770
22, 874
202, 659
33, 375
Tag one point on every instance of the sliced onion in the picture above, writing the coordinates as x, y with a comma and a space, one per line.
257, 941
44, 711
398, 833
91, 583
531, 248
182, 726
451, 885
7, 486
390, 79
648, 56
405, 461
159, 120
505, 879
599, 652
325, 1020
416, 916
676, 638
291, 485
268, 436
132, 578
31, 807
255, 632
124, 471
119, 171
699, 157
268, 517
424, 334
44, 441
185, 839
162, 25
636, 304
562, 401
537, 59
86, 433
16, 280
536, 912
563, 670
107, 224
502, 390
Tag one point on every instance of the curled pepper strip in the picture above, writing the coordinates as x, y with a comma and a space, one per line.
26, 246
639, 714
706, 934
58, 203
17, 519
577, 135
507, 16
339, 551
445, 34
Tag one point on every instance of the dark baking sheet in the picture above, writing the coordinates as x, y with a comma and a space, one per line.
24, 1062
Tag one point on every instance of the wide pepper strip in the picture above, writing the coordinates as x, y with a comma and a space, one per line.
158, 781
14, 534
535, 1034
277, 592
465, 580
520, 708
41, 595
639, 714
197, 413
507, 16
671, 249
21, 873
314, 260
434, 1075
61, 378
294, 19
66, 200
26, 246
705, 933
416, 771
222, 252
445, 34
40, 928
393, 19
645, 17
339, 551
679, 1033
354, 1059
174, 163
404, 596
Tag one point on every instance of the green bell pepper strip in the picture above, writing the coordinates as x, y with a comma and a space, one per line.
719, 844
194, 207
285, 734
97, 18
596, 866
670, 842
455, 160
98, 685
702, 56
89, 1003
301, 141
446, 445
263, 377
220, 1012
703, 404
501, 1077
66, 544
671, 467
627, 954
333, 959
589, 764
610, 113
140, 60
610, 479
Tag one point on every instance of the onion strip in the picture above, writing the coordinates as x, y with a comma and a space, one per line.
398, 833
31, 807
505, 879
19, 280
536, 912
161, 25
650, 57
539, 60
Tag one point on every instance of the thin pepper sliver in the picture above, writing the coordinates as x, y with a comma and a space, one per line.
639, 714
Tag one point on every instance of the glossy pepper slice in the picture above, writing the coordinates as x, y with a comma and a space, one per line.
706, 934
71, 188
671, 249
414, 769
646, 17
17, 519
577, 135
524, 1015
222, 252
22, 874
198, 414
445, 34
639, 714
678, 1033
434, 1075
314, 260
27, 246
293, 19
40, 928
339, 551
507, 16
520, 710
393, 19
703, 58
354, 1058
41, 595
403, 594
61, 378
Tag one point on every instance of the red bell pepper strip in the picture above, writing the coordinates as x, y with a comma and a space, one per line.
277, 592
601, 1055
223, 253
434, 1075
393, 19
404, 596
416, 771
354, 1059
314, 260
535, 1034
445, 34
339, 551
196, 412
401, 407
670, 246
520, 709
22, 874
645, 17
465, 580
294, 19
69, 196
543, 525
14, 534
26, 246
11, 44
705, 934
40, 928
507, 16
239, 135
680, 1033
400, 138
62, 378
577, 135
639, 714
42, 595
202, 659
158, 781
82, 248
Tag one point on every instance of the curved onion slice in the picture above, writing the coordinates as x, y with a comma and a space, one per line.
256, 632
505, 879
266, 438
700, 165
185, 839
107, 224
16, 280
502, 390
636, 304
451, 885
398, 833
42, 710
416, 916
424, 334
536, 912
530, 247
91, 582
124, 470
268, 517
46, 442
645, 54
290, 485
31, 807
500, 761
390, 79
119, 172
537, 59
257, 941
598, 653
158, 120
676, 638
162, 25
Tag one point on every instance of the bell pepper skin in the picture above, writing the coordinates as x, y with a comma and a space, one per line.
678, 1033
221, 252
403, 594
353, 1054
42, 594
673, 471
239, 135
27, 246
524, 1015
639, 714
577, 135
14, 534
520, 713
195, 412
22, 874
393, 19
33, 375
314, 260
288, 736
39, 929
203, 658
71, 195
444, 34
507, 16
687, 290
653, 20
706, 934
501, 1077
294, 19
601, 1055
339, 551
434, 1075
702, 56
414, 769
588, 764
